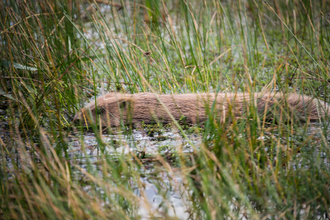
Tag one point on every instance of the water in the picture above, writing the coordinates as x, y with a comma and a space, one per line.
164, 190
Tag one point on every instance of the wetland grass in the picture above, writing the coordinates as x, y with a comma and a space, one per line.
58, 55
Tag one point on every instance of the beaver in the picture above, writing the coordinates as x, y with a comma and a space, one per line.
115, 109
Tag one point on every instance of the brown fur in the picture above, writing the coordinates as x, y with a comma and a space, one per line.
114, 108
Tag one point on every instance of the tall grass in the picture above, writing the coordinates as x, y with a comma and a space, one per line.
58, 55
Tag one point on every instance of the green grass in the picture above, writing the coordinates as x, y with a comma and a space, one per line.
58, 55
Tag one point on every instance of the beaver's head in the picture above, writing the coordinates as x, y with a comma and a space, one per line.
111, 109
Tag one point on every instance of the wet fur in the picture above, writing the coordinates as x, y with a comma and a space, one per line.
114, 109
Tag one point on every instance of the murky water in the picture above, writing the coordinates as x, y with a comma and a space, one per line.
152, 200
174, 200
138, 141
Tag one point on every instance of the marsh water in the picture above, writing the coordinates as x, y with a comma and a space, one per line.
163, 190
138, 142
